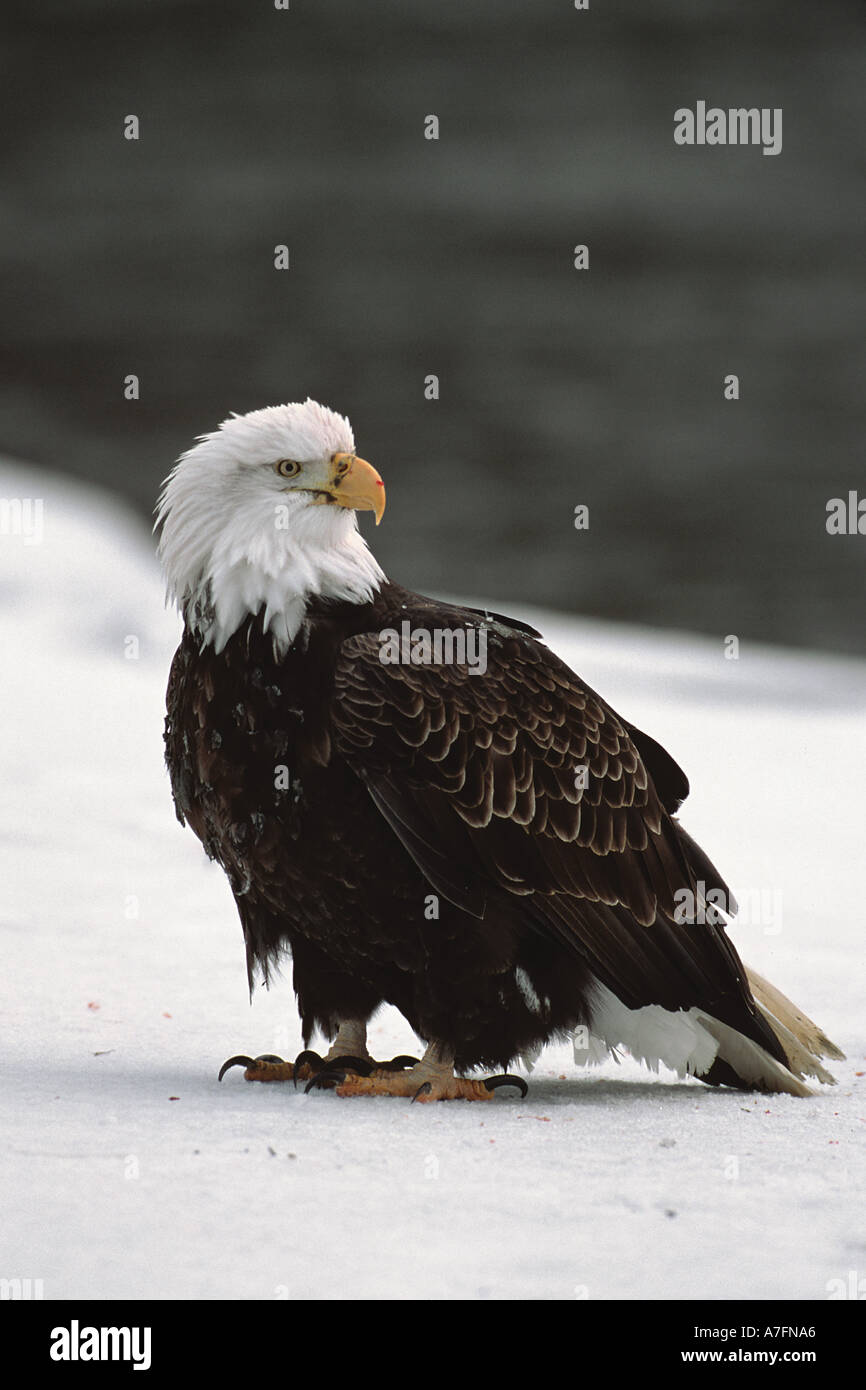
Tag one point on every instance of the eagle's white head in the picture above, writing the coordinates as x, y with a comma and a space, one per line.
260, 515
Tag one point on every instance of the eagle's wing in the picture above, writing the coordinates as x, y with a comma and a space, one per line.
523, 778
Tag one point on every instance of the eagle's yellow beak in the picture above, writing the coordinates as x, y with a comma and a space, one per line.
355, 483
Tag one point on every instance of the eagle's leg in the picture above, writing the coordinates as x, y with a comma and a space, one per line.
349, 1045
430, 1079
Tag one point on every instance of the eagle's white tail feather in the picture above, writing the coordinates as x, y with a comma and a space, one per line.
751, 1062
689, 1041
651, 1034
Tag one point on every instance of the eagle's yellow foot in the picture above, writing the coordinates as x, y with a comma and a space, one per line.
268, 1068
430, 1079
406, 1084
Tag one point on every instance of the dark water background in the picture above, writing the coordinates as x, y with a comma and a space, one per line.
454, 257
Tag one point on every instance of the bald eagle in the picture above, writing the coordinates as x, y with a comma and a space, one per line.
482, 843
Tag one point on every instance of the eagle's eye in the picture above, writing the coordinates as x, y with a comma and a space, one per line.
287, 468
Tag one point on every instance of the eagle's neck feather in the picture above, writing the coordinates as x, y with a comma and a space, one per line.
273, 572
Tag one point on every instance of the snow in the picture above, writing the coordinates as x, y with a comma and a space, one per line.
130, 1172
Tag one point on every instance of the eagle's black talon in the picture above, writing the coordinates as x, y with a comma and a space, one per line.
334, 1070
362, 1065
492, 1083
326, 1077
270, 1057
236, 1062
421, 1091
312, 1059
306, 1058
399, 1063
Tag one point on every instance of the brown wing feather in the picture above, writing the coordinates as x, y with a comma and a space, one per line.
504, 753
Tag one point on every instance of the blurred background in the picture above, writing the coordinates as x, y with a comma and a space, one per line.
411, 257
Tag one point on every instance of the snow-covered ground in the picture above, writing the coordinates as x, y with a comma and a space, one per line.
129, 1172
